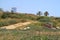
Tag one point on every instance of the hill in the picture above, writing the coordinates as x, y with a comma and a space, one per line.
23, 26
8, 18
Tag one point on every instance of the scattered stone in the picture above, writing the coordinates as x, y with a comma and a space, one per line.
58, 27
26, 28
53, 28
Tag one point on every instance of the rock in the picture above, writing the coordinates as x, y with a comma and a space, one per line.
54, 28
58, 27
28, 27
25, 28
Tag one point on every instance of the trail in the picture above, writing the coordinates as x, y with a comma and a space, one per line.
16, 25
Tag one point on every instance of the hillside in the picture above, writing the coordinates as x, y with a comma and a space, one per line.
8, 18
23, 26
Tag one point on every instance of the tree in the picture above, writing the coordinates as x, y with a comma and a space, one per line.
1, 9
39, 13
46, 13
13, 9
1, 12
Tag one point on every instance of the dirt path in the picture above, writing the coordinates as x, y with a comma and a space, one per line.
16, 25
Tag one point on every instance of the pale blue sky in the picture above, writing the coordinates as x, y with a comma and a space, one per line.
32, 6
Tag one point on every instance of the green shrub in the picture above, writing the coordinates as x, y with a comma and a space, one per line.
1, 13
23, 20
8, 22
44, 19
3, 24
12, 21
5, 15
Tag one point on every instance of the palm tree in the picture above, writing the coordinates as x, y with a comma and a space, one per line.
46, 13
39, 13
13, 9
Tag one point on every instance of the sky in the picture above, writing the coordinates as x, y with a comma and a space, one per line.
32, 6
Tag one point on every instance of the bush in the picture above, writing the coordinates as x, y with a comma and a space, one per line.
8, 22
23, 20
44, 19
3, 24
12, 21
5, 15
1, 13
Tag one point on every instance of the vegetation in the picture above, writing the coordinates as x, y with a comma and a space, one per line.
39, 13
36, 28
25, 35
13, 10
46, 13
44, 19
9, 21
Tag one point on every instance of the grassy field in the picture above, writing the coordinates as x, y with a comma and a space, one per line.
36, 32
25, 35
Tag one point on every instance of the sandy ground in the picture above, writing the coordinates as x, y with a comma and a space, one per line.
15, 25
